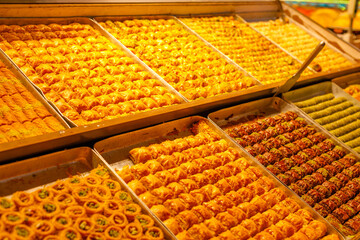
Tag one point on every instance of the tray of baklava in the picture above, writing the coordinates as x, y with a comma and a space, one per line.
300, 153
255, 57
300, 41
73, 195
332, 108
86, 74
257, 54
25, 116
180, 57
202, 186
298, 34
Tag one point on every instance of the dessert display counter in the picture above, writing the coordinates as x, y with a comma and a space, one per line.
106, 73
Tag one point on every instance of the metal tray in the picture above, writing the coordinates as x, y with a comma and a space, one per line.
229, 60
275, 43
311, 33
31, 145
240, 19
30, 87
345, 48
317, 90
115, 152
310, 26
269, 107
83, 20
31, 174
121, 18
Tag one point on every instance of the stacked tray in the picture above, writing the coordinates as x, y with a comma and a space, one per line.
332, 108
71, 194
82, 71
314, 164
202, 186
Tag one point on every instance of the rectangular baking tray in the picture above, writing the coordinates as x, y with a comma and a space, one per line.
270, 107
239, 18
345, 48
31, 174
31, 145
311, 33
84, 20
122, 18
267, 107
30, 87
311, 27
305, 93
115, 152
274, 42
229, 60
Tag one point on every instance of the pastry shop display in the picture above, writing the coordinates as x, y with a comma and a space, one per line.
337, 114
179, 57
300, 43
202, 188
249, 49
87, 206
87, 77
21, 114
353, 90
311, 164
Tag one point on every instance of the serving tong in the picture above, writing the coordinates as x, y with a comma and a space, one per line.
291, 81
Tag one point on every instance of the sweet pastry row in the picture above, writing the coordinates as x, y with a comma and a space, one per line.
305, 160
87, 77
338, 115
21, 114
201, 188
184, 61
300, 43
257, 55
88, 207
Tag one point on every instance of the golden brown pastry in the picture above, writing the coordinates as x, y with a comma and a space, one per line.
175, 206
176, 188
240, 232
173, 225
187, 219
200, 231
137, 187
151, 182
161, 212
149, 199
